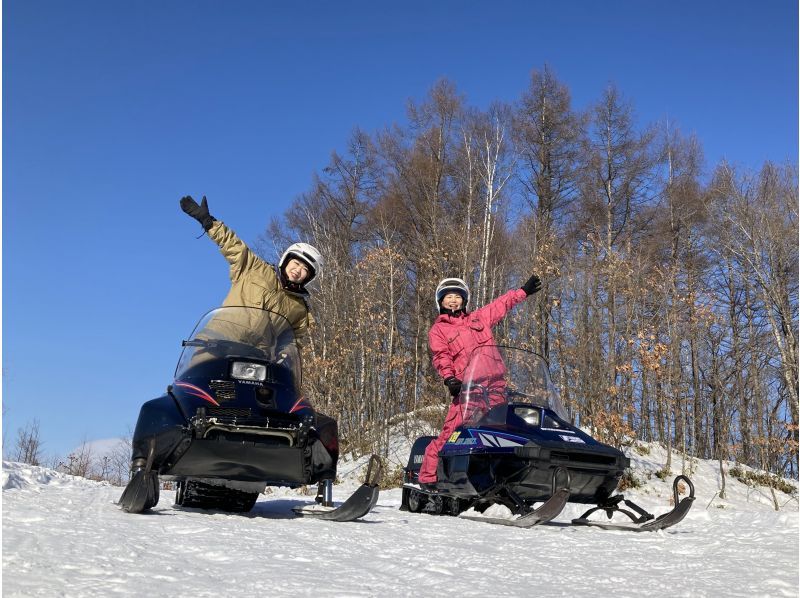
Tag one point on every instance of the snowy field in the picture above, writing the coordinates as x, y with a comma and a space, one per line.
64, 536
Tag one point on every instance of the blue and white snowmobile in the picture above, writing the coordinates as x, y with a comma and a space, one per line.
516, 447
235, 421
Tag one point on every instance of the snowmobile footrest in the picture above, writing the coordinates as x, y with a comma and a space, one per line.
360, 502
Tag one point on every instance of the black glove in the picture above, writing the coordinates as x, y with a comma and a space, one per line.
453, 384
198, 212
533, 285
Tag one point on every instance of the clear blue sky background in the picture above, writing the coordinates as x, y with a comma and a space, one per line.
114, 110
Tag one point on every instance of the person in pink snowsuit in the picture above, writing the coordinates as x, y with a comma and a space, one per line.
452, 339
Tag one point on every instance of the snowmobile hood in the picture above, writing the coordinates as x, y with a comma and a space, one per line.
250, 335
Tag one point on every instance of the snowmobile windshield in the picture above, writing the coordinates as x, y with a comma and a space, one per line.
497, 375
242, 332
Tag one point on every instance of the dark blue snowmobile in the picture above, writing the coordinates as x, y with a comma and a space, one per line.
235, 421
515, 447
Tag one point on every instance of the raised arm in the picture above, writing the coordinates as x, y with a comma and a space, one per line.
233, 249
497, 309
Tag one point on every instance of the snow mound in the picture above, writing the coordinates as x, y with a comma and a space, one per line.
20, 476
495, 511
648, 461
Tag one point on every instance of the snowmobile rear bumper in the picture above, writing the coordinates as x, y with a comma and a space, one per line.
216, 447
243, 461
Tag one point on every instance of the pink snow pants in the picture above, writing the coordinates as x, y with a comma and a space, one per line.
454, 418
427, 471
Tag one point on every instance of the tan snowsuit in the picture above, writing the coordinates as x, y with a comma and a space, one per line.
255, 283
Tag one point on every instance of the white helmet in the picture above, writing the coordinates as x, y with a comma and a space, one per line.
307, 254
451, 285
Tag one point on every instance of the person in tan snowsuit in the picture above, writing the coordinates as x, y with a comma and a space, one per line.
256, 283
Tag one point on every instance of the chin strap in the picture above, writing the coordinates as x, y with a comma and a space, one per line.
453, 313
292, 287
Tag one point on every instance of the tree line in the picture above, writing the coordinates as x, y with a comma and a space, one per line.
669, 311
112, 465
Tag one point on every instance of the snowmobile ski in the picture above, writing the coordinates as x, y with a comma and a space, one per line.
142, 491
360, 502
645, 522
544, 513
548, 510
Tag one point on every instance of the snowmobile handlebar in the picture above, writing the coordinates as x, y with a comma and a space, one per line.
197, 342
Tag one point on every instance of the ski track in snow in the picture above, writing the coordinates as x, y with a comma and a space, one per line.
65, 536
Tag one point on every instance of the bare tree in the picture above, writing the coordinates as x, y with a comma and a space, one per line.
755, 225
547, 134
29, 444
80, 461
615, 186
119, 461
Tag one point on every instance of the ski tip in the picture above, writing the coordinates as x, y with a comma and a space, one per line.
374, 471
359, 504
140, 494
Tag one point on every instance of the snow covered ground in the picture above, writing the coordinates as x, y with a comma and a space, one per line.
65, 536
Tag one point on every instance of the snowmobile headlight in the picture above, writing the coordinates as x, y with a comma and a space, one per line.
244, 370
528, 414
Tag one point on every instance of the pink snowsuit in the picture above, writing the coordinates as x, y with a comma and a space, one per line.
452, 340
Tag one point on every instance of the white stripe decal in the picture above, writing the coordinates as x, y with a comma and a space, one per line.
498, 441
507, 442
490, 440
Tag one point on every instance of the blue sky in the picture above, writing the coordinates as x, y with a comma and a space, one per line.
114, 110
